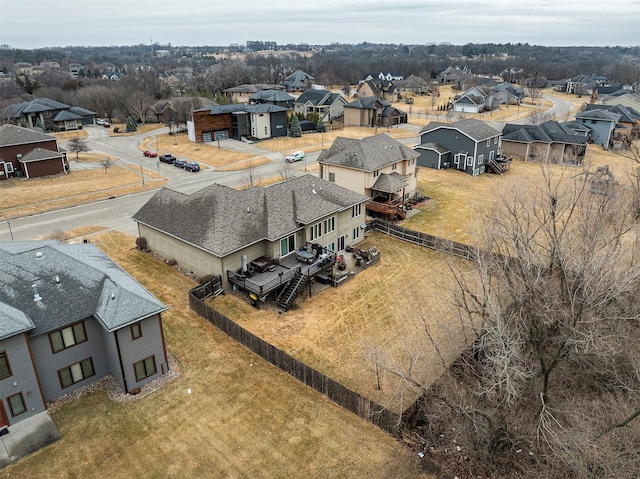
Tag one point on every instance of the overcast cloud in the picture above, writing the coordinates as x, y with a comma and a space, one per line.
36, 23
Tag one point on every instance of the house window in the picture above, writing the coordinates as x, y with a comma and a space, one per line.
341, 241
332, 177
331, 247
593, 122
394, 166
356, 210
376, 173
76, 372
287, 245
469, 160
329, 225
489, 142
356, 233
495, 140
315, 231
71, 123
145, 368
412, 161
492, 154
66, 337
16, 404
5, 367
136, 331
480, 159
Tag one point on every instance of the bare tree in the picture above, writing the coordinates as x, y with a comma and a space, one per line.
550, 308
286, 171
538, 117
106, 163
77, 145
138, 104
250, 176
58, 235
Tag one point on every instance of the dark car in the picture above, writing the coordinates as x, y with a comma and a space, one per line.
180, 163
192, 166
167, 158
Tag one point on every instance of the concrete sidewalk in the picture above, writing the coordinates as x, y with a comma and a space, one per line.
26, 437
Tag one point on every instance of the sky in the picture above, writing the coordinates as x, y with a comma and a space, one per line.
38, 23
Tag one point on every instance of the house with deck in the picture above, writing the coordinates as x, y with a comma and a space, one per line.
258, 238
378, 167
69, 316
466, 145
324, 103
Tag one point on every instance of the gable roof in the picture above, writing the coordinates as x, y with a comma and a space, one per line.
548, 132
602, 115
252, 88
222, 220
73, 282
367, 103
368, 154
627, 114
39, 154
18, 135
318, 97
412, 81
271, 95
475, 129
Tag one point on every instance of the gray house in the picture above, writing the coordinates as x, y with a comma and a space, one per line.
601, 122
466, 145
69, 316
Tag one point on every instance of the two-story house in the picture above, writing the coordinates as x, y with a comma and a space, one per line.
380, 89
466, 145
602, 124
220, 122
69, 316
297, 81
211, 230
378, 167
327, 105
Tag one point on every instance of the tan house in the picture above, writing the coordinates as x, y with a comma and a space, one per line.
381, 89
242, 93
210, 231
379, 167
371, 111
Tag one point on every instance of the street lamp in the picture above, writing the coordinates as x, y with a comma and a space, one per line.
10, 232
142, 173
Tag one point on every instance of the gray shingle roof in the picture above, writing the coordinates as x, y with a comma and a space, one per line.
368, 103
271, 95
74, 282
475, 129
368, 154
65, 115
317, 97
232, 108
435, 147
548, 132
390, 183
222, 220
598, 115
18, 135
39, 154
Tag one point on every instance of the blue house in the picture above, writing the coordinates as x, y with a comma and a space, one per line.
601, 122
466, 145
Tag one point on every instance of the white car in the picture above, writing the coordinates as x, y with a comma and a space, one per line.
293, 157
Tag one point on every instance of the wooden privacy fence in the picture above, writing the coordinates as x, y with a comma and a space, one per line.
336, 392
426, 240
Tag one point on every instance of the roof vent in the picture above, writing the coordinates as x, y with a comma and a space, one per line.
36, 295
39, 254
113, 296
57, 279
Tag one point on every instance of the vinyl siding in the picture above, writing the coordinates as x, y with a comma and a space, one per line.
132, 351
48, 363
23, 379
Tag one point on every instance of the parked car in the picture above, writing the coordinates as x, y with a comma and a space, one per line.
106, 124
192, 166
180, 163
150, 154
293, 157
167, 158
99, 122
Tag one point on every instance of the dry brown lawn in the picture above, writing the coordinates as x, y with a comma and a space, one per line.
67, 135
243, 419
142, 129
21, 197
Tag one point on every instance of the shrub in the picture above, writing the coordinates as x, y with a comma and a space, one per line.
172, 262
141, 243
205, 279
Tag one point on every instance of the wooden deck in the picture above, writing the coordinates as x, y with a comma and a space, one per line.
393, 209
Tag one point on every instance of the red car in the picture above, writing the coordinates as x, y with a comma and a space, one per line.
150, 153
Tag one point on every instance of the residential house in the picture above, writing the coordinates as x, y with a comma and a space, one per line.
327, 105
455, 76
242, 93
381, 89
220, 122
378, 167
412, 84
582, 84
371, 111
629, 99
29, 153
23, 68
297, 81
550, 141
112, 75
177, 109
68, 317
75, 69
627, 126
209, 231
466, 145
49, 115
602, 124
273, 97
393, 75
486, 97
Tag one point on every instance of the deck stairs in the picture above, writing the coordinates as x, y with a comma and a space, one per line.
291, 290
